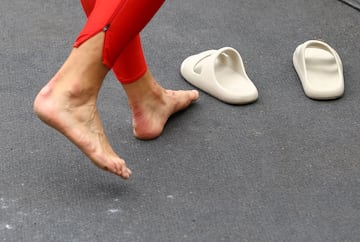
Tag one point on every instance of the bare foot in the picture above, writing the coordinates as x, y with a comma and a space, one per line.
152, 105
81, 124
68, 104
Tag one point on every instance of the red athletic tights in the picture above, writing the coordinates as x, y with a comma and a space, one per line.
122, 21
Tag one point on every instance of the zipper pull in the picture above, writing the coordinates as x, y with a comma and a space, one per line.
106, 27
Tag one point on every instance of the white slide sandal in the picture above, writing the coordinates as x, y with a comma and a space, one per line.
320, 70
220, 73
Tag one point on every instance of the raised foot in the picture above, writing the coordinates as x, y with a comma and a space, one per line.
79, 121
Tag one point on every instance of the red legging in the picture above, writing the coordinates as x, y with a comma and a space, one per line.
122, 21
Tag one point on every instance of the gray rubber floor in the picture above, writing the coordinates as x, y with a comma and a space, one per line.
285, 168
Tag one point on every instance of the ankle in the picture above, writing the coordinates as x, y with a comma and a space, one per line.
144, 88
55, 96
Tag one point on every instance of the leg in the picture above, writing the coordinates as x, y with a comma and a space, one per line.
122, 20
131, 64
150, 104
68, 104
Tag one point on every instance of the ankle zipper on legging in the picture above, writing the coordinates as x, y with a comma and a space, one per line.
118, 8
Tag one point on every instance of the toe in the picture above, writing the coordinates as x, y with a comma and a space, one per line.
185, 98
195, 95
123, 171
